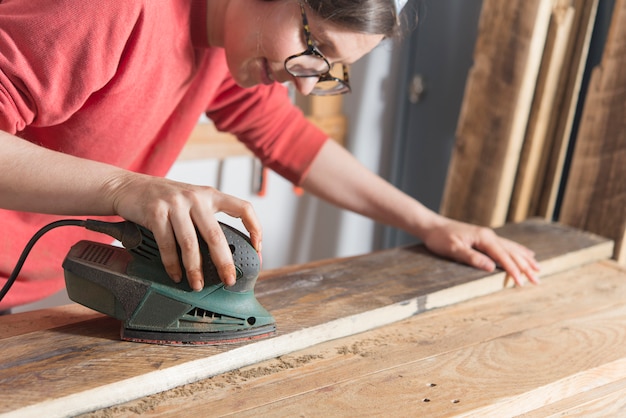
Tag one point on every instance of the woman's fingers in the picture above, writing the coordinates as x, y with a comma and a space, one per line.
482, 248
166, 241
212, 233
187, 239
175, 213
243, 210
515, 259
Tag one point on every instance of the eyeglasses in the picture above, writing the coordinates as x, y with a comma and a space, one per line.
311, 63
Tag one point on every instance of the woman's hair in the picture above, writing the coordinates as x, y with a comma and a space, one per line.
376, 17
366, 16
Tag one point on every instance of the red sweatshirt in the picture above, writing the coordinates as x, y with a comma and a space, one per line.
123, 82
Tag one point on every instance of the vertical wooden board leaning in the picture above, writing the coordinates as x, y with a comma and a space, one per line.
495, 110
595, 195
544, 196
543, 110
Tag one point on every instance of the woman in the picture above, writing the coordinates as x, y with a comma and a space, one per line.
98, 98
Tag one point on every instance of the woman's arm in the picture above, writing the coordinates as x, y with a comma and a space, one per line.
35, 179
339, 178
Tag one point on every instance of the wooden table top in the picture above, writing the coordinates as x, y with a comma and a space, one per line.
551, 350
350, 343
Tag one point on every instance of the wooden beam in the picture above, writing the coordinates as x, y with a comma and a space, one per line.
529, 173
560, 129
67, 369
595, 195
495, 110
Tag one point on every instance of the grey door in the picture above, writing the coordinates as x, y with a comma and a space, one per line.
434, 66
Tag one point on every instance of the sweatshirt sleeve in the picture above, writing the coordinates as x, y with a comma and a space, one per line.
266, 121
43, 46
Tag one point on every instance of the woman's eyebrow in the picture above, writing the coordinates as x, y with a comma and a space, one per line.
328, 49
324, 44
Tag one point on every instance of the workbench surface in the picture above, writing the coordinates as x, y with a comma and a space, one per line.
550, 350
349, 343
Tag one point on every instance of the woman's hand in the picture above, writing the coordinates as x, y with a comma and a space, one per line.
480, 247
172, 211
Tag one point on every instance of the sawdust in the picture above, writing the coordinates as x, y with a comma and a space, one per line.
228, 384
232, 380
363, 348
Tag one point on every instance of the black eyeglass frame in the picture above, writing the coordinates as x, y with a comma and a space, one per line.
323, 76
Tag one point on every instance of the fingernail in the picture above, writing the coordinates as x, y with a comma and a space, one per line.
176, 278
198, 285
231, 280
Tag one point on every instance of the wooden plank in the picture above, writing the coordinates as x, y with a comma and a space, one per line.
595, 195
82, 366
604, 401
14, 325
529, 172
542, 349
495, 110
551, 167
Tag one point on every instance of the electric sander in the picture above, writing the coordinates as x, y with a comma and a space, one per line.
132, 285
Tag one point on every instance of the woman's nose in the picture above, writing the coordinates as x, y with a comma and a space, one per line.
305, 84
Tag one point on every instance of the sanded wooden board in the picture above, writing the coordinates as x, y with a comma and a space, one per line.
82, 366
595, 196
543, 351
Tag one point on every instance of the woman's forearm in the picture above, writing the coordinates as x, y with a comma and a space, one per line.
336, 176
36, 179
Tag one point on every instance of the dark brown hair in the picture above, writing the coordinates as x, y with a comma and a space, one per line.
377, 17
365, 16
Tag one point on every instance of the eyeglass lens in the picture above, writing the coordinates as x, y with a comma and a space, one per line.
308, 65
330, 86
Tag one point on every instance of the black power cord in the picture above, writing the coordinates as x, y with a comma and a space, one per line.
126, 232
29, 246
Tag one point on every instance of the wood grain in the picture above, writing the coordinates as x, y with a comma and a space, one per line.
80, 365
495, 110
539, 350
604, 401
536, 144
595, 196
551, 167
